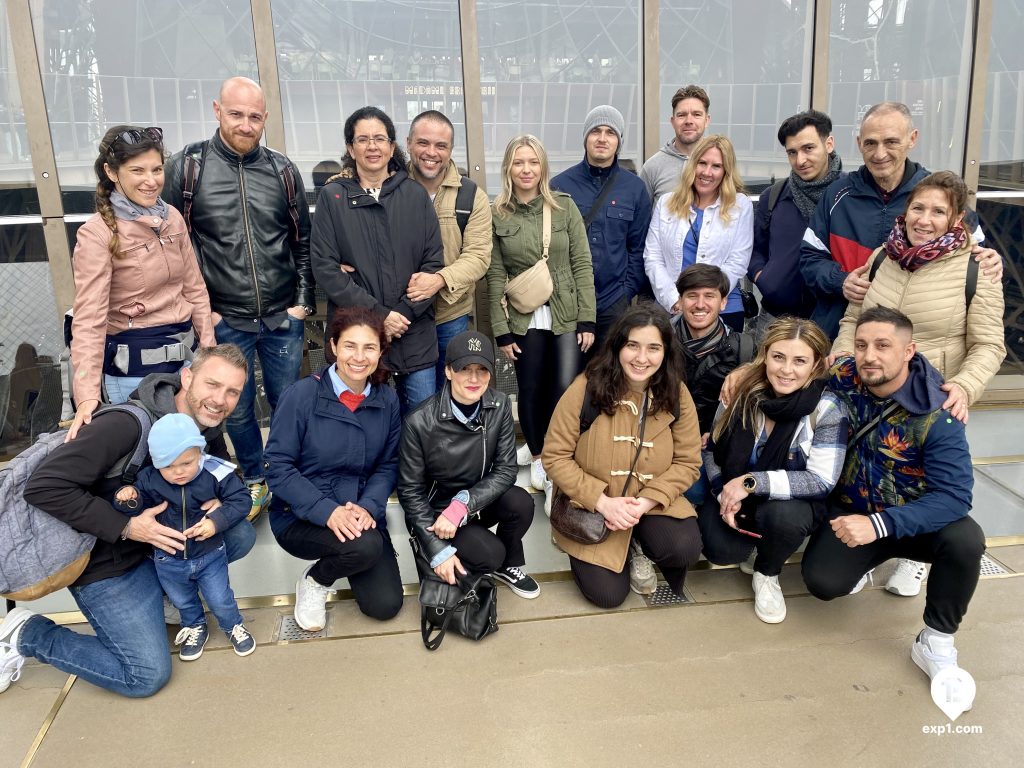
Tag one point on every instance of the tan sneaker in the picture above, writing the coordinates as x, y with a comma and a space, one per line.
260, 499
642, 578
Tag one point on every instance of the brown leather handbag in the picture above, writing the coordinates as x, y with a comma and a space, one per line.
580, 524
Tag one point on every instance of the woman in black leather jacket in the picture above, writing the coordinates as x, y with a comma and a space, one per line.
457, 473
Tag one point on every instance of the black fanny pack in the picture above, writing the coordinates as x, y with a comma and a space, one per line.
142, 351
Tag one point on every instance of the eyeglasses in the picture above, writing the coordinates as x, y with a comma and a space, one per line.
365, 141
140, 135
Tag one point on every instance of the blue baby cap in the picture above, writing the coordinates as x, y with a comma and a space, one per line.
171, 436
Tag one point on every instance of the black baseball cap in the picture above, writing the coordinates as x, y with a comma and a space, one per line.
467, 348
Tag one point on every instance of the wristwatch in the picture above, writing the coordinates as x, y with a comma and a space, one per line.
310, 311
749, 483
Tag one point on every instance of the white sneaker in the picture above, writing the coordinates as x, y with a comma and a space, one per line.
867, 578
935, 654
549, 491
769, 603
747, 566
537, 474
642, 578
523, 455
10, 659
311, 602
906, 579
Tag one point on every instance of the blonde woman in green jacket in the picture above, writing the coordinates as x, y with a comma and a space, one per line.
546, 345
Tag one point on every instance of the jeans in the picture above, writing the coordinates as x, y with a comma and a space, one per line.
413, 388
129, 654
118, 388
697, 492
445, 333
183, 580
239, 539
280, 353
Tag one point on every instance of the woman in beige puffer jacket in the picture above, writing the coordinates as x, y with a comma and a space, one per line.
925, 277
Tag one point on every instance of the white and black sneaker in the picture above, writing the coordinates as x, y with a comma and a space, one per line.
518, 581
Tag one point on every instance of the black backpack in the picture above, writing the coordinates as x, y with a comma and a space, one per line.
464, 203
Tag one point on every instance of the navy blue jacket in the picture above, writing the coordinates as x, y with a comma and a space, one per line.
184, 504
321, 455
776, 255
616, 235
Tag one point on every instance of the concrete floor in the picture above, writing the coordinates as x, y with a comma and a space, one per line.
562, 684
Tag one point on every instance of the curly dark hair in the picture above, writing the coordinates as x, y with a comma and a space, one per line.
119, 145
398, 161
606, 381
349, 317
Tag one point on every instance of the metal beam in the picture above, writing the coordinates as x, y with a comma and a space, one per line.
977, 92
819, 54
472, 99
651, 78
266, 66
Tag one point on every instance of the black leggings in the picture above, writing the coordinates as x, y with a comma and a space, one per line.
546, 366
783, 525
831, 569
480, 550
673, 544
369, 562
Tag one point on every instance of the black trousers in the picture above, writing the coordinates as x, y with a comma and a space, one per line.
783, 526
605, 319
673, 544
369, 562
831, 569
546, 366
480, 550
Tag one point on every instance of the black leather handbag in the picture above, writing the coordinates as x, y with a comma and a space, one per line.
469, 607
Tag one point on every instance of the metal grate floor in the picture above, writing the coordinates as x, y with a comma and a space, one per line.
990, 567
288, 630
665, 596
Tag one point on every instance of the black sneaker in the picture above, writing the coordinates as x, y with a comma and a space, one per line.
518, 581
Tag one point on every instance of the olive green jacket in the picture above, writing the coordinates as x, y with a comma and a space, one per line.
517, 247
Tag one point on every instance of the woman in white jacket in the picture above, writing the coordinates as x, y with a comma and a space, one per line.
706, 220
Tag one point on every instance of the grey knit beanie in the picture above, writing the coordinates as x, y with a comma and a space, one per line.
604, 115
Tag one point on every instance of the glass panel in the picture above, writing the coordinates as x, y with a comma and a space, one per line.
126, 61
916, 53
30, 340
545, 65
753, 59
1003, 222
334, 58
1002, 157
17, 186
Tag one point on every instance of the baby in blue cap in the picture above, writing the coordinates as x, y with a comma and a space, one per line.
186, 478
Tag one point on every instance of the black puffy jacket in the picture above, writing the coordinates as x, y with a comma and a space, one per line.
440, 456
242, 230
384, 242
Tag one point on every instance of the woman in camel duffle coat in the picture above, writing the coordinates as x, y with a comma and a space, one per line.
597, 462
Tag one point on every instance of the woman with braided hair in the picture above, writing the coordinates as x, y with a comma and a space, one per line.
140, 300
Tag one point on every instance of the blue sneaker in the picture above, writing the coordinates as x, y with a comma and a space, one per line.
192, 641
241, 640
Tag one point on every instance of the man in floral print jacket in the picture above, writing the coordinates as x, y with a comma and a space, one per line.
905, 489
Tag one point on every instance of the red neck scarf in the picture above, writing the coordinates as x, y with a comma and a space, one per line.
350, 399
913, 257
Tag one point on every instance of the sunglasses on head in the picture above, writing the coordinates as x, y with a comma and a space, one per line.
140, 135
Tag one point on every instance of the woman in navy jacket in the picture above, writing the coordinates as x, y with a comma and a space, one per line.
331, 462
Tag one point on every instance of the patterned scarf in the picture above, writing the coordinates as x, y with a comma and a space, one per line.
700, 347
806, 194
913, 257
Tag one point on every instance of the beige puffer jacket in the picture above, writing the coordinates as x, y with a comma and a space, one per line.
966, 347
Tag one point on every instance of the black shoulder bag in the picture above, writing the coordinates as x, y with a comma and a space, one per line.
469, 607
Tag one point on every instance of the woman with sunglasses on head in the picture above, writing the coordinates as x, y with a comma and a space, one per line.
706, 220
775, 453
548, 343
140, 299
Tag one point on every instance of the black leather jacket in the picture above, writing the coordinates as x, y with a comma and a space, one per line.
242, 231
440, 456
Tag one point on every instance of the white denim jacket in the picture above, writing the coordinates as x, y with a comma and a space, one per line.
726, 246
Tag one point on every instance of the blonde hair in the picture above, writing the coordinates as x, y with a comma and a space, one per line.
754, 387
504, 203
683, 196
